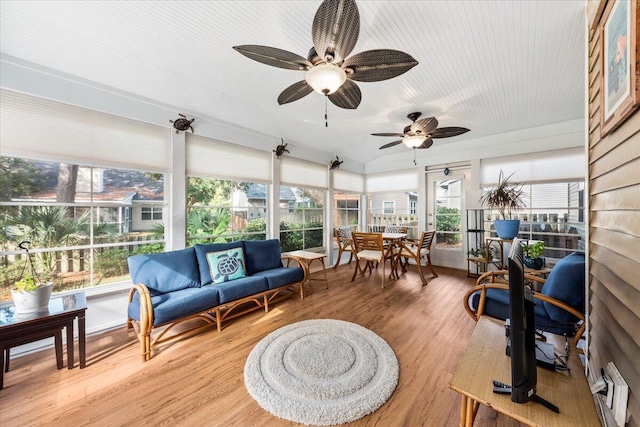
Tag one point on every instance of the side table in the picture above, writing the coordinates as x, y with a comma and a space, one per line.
306, 258
17, 329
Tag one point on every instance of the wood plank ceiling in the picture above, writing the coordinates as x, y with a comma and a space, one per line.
491, 66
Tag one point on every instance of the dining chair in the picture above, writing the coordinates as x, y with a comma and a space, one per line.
419, 251
344, 239
376, 228
369, 248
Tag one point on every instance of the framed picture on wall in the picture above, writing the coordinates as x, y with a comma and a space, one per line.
620, 85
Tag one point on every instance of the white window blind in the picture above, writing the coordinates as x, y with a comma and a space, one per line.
559, 165
298, 172
41, 129
392, 181
348, 181
210, 158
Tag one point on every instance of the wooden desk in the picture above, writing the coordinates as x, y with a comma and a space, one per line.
484, 361
306, 258
22, 329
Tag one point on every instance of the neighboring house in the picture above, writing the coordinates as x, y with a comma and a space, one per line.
129, 199
400, 203
256, 200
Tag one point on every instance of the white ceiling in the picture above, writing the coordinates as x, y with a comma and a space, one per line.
491, 66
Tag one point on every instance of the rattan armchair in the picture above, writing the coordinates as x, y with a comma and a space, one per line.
344, 240
560, 304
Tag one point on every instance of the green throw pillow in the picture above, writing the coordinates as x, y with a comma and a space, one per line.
226, 265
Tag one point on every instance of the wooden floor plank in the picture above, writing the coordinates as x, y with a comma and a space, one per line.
199, 380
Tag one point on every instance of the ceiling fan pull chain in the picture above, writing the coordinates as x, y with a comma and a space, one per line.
414, 157
326, 121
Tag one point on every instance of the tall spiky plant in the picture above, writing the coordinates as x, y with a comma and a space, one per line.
505, 197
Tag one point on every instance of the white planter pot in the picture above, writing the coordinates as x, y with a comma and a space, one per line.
35, 301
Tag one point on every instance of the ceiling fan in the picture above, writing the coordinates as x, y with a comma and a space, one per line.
420, 133
335, 30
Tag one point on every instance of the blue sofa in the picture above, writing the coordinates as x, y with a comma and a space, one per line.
211, 282
559, 306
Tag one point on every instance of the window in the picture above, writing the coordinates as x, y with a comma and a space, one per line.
554, 214
225, 211
393, 209
301, 219
346, 209
448, 194
413, 207
150, 213
81, 229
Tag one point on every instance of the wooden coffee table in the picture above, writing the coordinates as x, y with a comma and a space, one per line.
17, 329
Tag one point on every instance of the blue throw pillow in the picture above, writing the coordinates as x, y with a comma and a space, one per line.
226, 265
201, 253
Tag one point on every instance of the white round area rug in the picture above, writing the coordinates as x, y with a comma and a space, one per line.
321, 372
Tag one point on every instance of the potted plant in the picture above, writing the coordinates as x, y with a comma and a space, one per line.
30, 295
533, 254
506, 197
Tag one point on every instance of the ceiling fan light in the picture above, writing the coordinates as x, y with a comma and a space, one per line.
326, 78
413, 141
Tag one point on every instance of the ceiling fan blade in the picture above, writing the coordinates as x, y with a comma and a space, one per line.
274, 57
388, 134
391, 144
426, 144
379, 64
348, 96
335, 29
424, 126
448, 132
294, 92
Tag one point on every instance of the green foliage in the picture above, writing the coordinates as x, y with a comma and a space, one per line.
255, 226
290, 240
313, 238
18, 178
534, 250
27, 283
505, 197
151, 248
111, 262
448, 219
211, 191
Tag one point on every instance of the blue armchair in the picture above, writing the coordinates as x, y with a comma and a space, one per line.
560, 304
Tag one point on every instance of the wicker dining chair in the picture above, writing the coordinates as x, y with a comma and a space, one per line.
419, 251
344, 239
369, 248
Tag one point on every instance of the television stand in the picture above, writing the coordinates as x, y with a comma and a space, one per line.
484, 360
502, 388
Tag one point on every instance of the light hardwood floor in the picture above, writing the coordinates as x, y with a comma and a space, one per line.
198, 381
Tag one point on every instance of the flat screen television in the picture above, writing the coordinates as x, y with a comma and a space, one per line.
522, 337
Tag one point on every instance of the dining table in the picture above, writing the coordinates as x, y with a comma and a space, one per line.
391, 240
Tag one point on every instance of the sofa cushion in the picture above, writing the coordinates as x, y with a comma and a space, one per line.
240, 288
566, 283
282, 276
166, 271
201, 255
261, 255
226, 265
178, 304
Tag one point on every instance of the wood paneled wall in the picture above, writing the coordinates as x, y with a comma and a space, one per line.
614, 240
